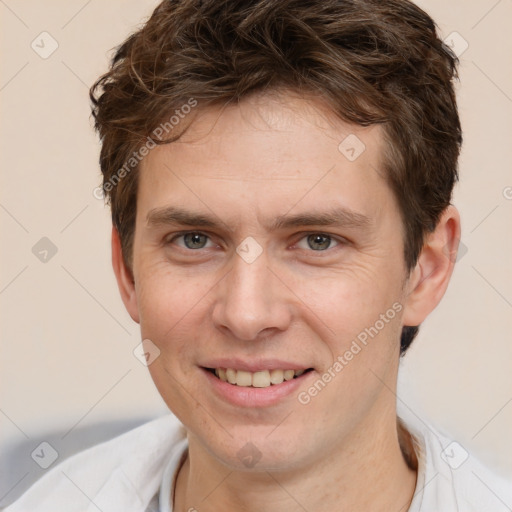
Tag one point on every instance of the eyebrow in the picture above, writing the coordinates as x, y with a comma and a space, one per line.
337, 217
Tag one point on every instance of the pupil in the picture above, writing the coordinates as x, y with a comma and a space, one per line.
194, 240
320, 242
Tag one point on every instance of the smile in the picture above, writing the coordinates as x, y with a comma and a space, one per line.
258, 379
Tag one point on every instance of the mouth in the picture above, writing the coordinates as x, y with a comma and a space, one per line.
257, 379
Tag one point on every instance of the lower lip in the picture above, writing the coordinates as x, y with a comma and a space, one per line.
255, 397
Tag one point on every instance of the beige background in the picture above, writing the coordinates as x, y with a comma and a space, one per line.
68, 375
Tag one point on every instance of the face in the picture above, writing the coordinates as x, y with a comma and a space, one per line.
262, 245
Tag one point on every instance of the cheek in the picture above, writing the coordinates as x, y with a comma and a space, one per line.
364, 357
167, 304
171, 312
363, 318
349, 301
165, 295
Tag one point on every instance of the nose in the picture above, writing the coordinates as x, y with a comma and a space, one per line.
251, 302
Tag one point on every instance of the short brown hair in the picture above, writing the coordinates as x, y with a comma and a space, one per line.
371, 61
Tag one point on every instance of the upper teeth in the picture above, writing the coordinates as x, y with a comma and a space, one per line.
261, 379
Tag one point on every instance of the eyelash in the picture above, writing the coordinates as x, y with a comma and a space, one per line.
338, 240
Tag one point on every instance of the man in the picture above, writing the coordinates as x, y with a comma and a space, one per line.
280, 176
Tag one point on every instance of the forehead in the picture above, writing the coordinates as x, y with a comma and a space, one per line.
267, 153
285, 125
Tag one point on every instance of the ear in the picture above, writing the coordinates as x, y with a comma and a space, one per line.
124, 277
429, 279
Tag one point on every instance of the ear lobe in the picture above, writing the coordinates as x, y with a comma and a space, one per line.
124, 277
429, 279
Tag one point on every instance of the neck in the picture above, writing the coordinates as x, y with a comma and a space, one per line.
368, 471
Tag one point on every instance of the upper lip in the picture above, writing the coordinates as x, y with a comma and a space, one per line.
254, 365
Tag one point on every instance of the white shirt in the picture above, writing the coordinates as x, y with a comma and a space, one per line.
136, 472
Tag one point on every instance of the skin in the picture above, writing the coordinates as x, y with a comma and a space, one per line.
245, 165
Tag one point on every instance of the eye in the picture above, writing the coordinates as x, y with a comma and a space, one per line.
318, 242
191, 240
